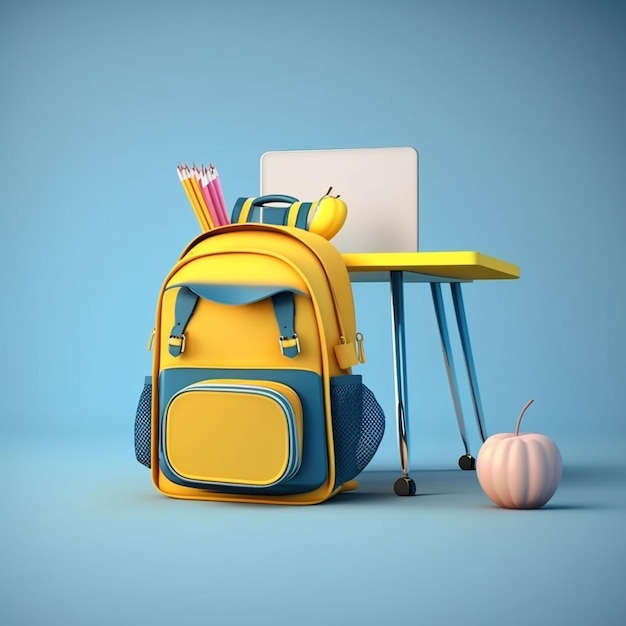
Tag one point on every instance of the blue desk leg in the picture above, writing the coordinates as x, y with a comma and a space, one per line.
404, 486
466, 461
461, 320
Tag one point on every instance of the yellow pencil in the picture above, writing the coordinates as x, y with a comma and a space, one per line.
200, 215
195, 182
197, 194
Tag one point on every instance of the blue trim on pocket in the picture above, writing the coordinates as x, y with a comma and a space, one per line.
293, 463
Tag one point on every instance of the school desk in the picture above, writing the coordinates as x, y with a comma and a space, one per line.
435, 268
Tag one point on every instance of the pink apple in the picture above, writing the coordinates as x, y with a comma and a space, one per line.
519, 471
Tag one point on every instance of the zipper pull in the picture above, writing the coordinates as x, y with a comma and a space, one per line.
151, 340
360, 348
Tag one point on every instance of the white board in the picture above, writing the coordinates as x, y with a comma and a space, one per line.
379, 185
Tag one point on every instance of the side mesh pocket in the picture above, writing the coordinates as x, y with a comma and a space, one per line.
143, 424
358, 426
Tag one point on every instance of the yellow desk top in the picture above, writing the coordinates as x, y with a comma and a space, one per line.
423, 266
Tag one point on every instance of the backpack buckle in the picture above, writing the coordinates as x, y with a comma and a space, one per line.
289, 346
177, 342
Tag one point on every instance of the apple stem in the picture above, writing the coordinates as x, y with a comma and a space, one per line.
328, 192
519, 419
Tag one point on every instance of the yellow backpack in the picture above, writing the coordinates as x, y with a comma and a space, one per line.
252, 396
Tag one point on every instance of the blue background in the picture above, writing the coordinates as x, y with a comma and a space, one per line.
518, 111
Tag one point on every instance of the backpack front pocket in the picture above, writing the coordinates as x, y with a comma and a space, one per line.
233, 433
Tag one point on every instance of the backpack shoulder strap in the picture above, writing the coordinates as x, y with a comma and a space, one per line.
186, 301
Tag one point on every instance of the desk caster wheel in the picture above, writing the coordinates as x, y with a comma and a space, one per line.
467, 462
405, 486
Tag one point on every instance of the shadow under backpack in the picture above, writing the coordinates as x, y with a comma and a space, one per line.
252, 396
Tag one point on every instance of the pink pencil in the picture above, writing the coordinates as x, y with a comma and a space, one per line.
210, 199
215, 217
210, 187
217, 185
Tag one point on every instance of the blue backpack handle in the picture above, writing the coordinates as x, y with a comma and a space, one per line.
274, 198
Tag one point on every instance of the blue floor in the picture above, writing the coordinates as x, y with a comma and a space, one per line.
87, 541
